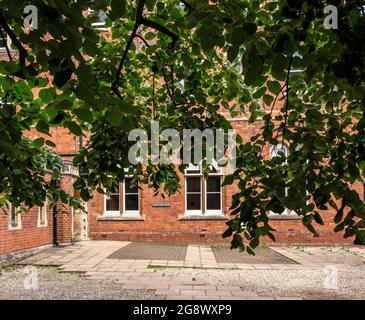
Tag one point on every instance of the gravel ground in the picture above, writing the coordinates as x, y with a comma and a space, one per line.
306, 284
56, 285
357, 251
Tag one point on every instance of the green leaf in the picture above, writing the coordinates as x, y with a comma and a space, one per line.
24, 91
47, 95
340, 226
74, 128
150, 50
128, 108
150, 36
254, 243
227, 233
62, 77
119, 8
339, 215
259, 93
250, 251
232, 53
268, 99
83, 114
42, 127
274, 87
279, 65
228, 180
318, 218
38, 143
238, 36
50, 143
271, 236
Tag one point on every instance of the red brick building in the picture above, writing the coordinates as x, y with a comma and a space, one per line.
197, 214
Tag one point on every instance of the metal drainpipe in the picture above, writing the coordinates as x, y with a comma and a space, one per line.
55, 242
57, 184
81, 142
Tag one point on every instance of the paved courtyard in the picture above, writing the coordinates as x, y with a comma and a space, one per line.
167, 271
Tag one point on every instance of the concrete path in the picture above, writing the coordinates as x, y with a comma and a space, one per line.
91, 257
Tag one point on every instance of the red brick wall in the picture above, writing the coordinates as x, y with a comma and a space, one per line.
29, 236
159, 224
165, 224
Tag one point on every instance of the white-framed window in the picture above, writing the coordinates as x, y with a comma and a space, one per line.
42, 216
69, 168
123, 200
203, 196
213, 195
98, 18
6, 43
181, 85
131, 195
193, 190
112, 202
295, 71
277, 151
14, 217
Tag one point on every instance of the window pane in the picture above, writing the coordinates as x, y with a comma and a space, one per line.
13, 215
193, 202
112, 203
113, 190
213, 184
42, 218
193, 184
213, 201
278, 151
131, 202
2, 42
128, 186
102, 16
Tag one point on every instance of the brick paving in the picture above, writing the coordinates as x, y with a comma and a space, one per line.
113, 260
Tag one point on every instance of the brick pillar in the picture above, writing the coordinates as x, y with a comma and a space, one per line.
64, 226
63, 221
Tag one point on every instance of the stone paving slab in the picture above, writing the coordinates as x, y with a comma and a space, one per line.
135, 272
315, 256
152, 251
229, 258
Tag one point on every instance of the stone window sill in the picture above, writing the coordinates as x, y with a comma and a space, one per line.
120, 218
203, 217
14, 228
285, 217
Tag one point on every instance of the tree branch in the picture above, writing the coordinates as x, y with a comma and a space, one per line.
158, 27
287, 96
139, 17
140, 20
22, 52
169, 91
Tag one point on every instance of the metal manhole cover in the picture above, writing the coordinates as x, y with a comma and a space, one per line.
224, 254
151, 251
